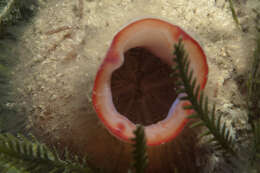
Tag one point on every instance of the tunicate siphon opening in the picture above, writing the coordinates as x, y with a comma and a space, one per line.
142, 89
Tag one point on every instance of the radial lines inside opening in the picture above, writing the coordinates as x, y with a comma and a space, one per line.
142, 88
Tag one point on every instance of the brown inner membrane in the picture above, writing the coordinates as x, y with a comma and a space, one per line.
142, 88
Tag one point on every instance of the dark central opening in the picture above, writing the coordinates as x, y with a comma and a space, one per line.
142, 88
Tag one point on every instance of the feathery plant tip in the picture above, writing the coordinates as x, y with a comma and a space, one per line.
221, 135
12, 11
21, 153
253, 102
139, 153
252, 86
234, 14
256, 140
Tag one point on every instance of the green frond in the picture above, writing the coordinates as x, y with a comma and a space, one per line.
234, 14
139, 153
253, 85
256, 140
221, 136
253, 95
21, 153
255, 149
197, 124
12, 11
6, 8
11, 119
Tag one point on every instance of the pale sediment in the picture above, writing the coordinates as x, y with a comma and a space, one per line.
62, 49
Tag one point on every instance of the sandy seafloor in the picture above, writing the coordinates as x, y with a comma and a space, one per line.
62, 48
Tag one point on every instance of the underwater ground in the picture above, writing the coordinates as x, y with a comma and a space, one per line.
59, 50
